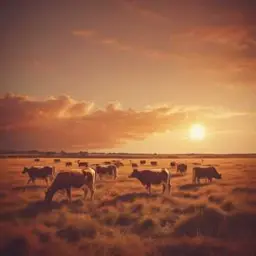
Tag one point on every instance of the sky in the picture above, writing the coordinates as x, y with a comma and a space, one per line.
128, 75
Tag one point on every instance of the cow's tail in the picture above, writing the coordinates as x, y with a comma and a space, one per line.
194, 175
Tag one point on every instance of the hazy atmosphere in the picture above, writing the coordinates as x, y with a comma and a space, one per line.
128, 76
127, 127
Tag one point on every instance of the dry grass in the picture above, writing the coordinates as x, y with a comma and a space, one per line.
207, 219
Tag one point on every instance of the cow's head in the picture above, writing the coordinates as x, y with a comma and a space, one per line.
216, 174
134, 174
25, 170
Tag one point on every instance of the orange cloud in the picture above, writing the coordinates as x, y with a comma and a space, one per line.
84, 33
63, 123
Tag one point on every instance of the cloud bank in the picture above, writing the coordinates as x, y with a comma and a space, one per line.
64, 123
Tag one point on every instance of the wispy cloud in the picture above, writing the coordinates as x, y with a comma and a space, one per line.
84, 33
115, 43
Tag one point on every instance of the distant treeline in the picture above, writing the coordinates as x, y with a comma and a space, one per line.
85, 154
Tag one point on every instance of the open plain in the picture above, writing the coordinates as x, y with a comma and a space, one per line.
217, 218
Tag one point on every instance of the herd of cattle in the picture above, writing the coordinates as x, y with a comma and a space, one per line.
85, 175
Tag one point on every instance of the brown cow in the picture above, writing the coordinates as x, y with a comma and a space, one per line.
39, 172
205, 172
182, 168
142, 162
85, 164
68, 164
67, 180
134, 165
154, 163
155, 177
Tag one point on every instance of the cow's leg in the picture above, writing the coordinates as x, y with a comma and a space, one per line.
91, 188
149, 188
46, 180
29, 180
85, 192
69, 194
164, 186
169, 188
33, 181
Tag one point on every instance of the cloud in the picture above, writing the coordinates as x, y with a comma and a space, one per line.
63, 123
84, 33
117, 44
237, 37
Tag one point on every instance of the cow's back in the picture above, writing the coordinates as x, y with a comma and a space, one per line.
202, 172
68, 179
154, 177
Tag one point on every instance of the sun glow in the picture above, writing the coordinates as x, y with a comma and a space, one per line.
197, 132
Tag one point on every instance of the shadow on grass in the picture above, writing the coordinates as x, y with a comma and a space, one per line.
32, 210
29, 187
131, 197
192, 186
244, 190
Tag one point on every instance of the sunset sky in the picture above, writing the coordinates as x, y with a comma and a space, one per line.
128, 75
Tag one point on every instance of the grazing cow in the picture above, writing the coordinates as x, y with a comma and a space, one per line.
205, 172
155, 177
39, 172
102, 170
85, 164
67, 180
56, 160
173, 164
37, 160
134, 165
182, 168
68, 164
142, 161
153, 163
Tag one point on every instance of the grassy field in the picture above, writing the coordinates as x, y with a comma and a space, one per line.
210, 219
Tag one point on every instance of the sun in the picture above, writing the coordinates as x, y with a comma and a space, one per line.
197, 132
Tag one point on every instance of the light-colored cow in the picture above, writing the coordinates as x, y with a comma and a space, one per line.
108, 170
75, 178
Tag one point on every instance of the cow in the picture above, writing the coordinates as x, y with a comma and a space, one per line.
107, 162
68, 164
117, 163
154, 163
39, 172
37, 160
142, 162
134, 165
153, 176
85, 164
102, 170
57, 160
67, 180
205, 172
173, 164
182, 168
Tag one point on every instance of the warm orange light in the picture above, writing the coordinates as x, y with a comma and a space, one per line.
197, 132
